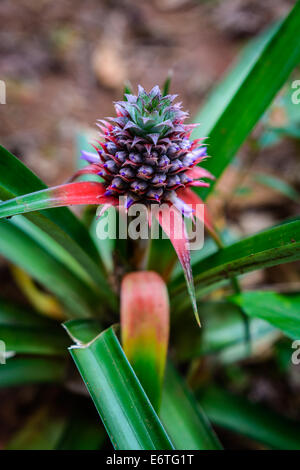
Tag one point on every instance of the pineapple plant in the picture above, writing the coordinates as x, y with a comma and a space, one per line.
155, 378
146, 153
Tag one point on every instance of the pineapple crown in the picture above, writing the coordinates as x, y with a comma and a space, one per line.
145, 153
150, 114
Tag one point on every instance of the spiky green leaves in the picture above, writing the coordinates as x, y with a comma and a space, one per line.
150, 113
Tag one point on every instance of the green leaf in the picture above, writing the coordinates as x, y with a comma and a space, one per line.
277, 245
25, 332
127, 89
278, 185
282, 356
224, 91
83, 331
107, 245
236, 106
41, 431
282, 311
53, 427
16, 179
57, 230
223, 334
162, 257
125, 410
57, 250
167, 83
252, 420
21, 250
33, 340
82, 433
31, 370
208, 248
13, 314
183, 418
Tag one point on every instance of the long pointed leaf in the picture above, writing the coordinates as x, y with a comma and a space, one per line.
16, 246
57, 230
16, 179
271, 247
32, 340
235, 111
52, 427
183, 418
84, 192
32, 370
252, 420
282, 311
82, 433
41, 431
222, 335
14, 314
26, 332
127, 414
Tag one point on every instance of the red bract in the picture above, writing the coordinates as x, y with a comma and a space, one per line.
145, 328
